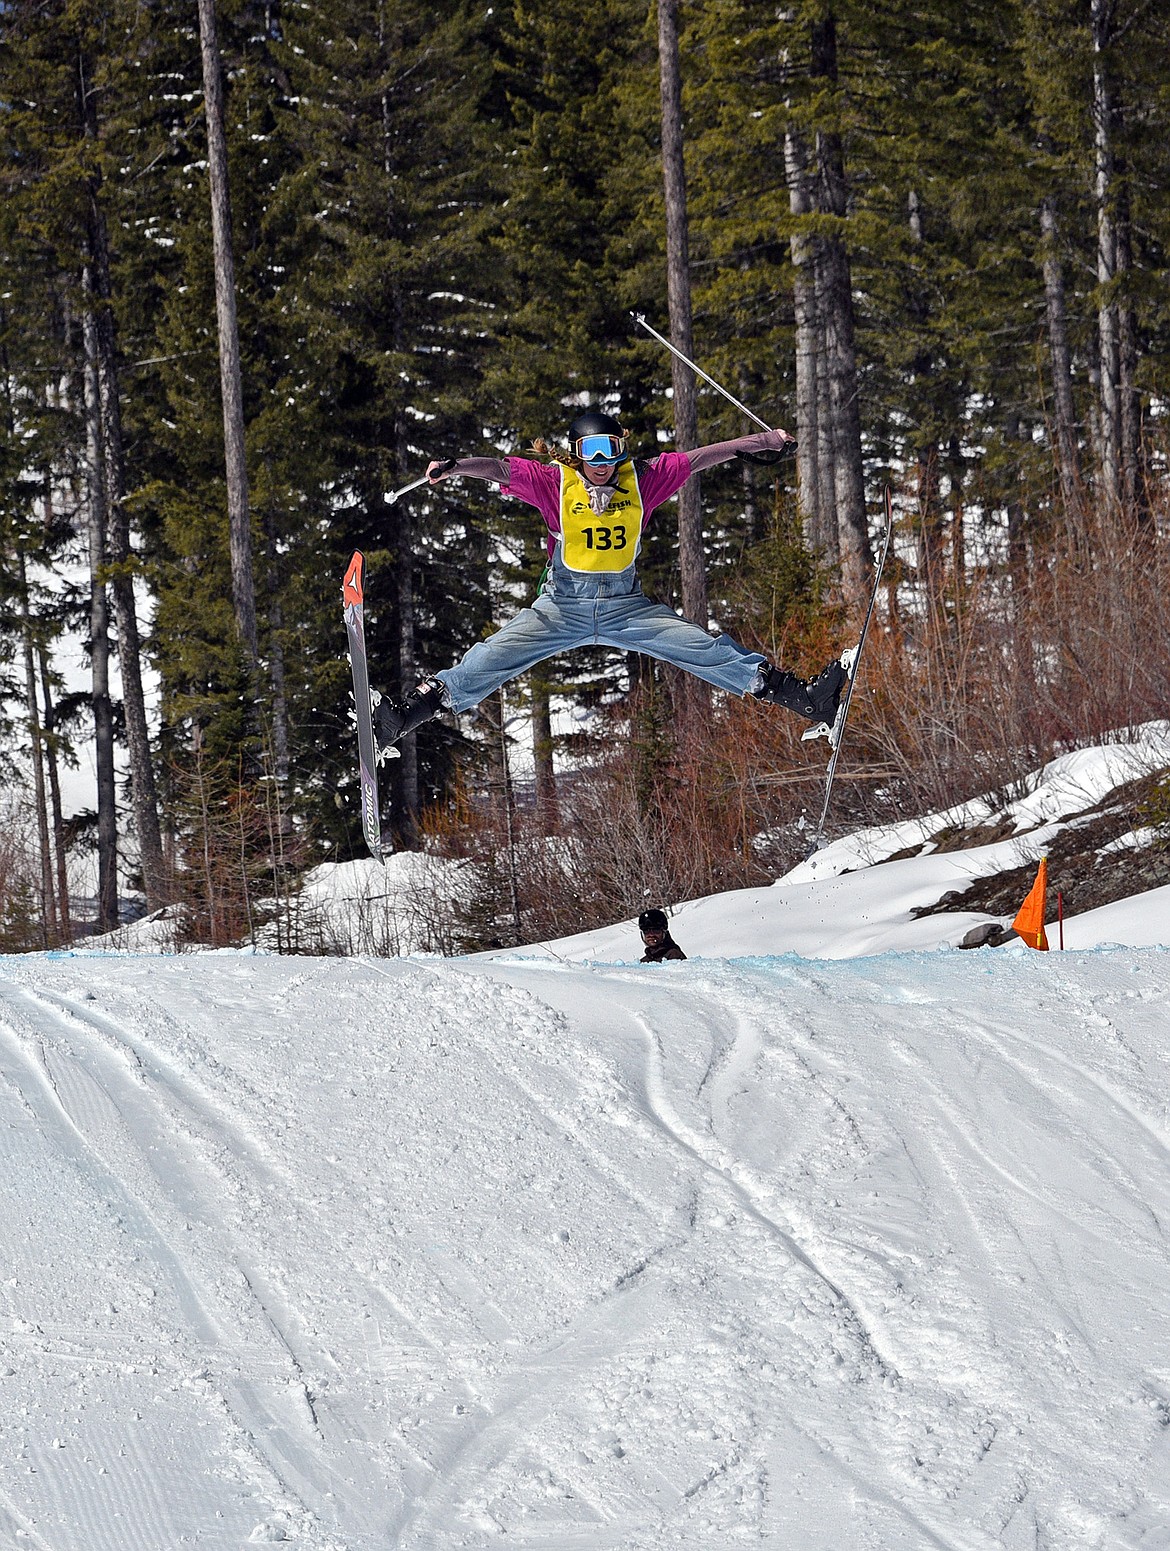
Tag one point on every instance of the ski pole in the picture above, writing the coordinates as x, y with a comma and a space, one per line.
686, 360
392, 495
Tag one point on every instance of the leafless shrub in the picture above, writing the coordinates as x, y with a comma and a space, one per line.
962, 692
409, 906
655, 819
238, 859
969, 697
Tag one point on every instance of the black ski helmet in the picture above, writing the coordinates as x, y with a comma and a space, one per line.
653, 921
593, 423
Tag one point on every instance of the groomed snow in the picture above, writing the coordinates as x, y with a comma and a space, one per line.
812, 1242
834, 1255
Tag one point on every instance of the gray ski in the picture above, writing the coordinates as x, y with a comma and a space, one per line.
353, 601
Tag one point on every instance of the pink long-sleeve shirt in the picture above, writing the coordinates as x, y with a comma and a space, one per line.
539, 484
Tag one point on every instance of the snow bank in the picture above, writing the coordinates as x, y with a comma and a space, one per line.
1063, 787
1141, 922
342, 907
391, 910
857, 914
850, 901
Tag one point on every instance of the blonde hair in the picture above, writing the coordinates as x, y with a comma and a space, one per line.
557, 454
553, 453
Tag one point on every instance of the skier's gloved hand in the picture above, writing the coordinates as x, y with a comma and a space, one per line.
767, 456
438, 467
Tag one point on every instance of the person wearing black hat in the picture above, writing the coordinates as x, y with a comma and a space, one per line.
656, 938
597, 500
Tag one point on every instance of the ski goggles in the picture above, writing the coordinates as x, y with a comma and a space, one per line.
600, 449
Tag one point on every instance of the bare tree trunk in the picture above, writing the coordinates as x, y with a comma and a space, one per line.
691, 558
826, 452
820, 524
49, 925
280, 754
98, 287
956, 470
143, 791
231, 380
99, 634
405, 775
407, 672
52, 760
42, 741
52, 763
1133, 486
931, 550
510, 822
280, 821
755, 512
931, 555
1108, 340
814, 418
840, 346
1022, 687
406, 766
1016, 520
1068, 461
848, 471
542, 750
491, 709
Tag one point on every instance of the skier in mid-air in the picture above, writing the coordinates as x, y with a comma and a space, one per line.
597, 501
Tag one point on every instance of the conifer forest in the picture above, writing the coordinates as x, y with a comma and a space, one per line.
261, 261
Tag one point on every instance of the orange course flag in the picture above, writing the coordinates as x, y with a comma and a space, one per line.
1029, 920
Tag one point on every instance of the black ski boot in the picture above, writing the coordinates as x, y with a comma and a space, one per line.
815, 699
393, 719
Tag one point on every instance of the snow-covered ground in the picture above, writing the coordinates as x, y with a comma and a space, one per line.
850, 899
818, 1255
811, 1242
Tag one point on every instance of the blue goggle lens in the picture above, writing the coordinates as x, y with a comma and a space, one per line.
601, 449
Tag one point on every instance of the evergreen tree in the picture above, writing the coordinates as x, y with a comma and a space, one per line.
1097, 92
397, 297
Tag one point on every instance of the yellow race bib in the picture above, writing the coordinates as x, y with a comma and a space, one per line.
606, 541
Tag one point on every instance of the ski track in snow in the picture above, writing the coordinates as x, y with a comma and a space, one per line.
841, 1256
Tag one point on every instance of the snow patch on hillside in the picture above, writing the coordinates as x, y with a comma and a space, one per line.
1053, 794
849, 900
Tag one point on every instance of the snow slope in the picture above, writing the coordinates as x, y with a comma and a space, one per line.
856, 914
850, 899
863, 1253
